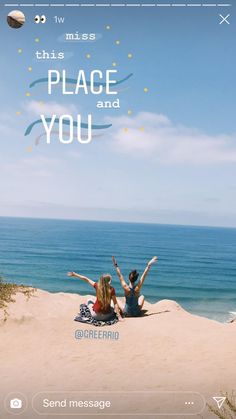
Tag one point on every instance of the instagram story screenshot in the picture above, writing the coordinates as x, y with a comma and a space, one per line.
118, 209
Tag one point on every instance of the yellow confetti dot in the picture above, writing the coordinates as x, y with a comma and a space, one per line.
20, 50
145, 89
114, 64
27, 94
126, 129
36, 39
88, 56
129, 112
18, 113
130, 55
108, 27
29, 149
30, 69
117, 42
141, 129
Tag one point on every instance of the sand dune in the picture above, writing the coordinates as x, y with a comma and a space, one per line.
169, 349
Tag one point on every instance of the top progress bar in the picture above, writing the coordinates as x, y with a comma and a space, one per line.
117, 5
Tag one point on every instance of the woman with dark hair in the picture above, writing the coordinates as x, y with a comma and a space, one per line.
133, 300
101, 309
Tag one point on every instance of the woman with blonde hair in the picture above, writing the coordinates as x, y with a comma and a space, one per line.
101, 310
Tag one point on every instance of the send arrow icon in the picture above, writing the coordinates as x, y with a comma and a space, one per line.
219, 400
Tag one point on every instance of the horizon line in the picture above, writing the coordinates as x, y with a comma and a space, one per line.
118, 222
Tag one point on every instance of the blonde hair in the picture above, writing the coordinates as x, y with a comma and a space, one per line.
104, 291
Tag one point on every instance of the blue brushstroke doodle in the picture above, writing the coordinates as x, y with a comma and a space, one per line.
74, 81
65, 122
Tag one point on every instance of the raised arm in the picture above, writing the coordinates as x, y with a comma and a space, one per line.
145, 272
84, 278
118, 271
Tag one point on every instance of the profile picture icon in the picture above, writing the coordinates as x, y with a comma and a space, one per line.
16, 19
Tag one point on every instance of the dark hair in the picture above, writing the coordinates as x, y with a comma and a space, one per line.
133, 275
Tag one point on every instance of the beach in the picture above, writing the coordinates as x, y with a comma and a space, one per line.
167, 349
196, 265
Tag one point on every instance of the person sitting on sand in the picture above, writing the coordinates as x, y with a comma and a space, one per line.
133, 300
101, 309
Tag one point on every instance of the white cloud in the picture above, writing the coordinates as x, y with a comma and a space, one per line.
74, 154
8, 126
50, 108
169, 143
38, 166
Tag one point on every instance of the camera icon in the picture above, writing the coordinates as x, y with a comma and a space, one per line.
16, 404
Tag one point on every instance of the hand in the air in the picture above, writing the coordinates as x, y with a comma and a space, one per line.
152, 261
114, 260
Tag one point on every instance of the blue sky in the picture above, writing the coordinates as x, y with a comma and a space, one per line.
172, 160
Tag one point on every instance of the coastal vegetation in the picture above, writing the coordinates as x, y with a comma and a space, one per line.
7, 292
228, 410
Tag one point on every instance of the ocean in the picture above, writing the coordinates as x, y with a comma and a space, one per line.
196, 266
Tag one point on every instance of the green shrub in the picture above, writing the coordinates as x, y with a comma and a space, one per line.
7, 292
